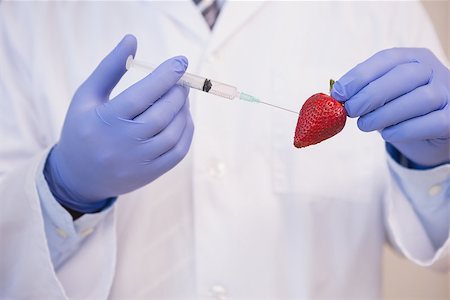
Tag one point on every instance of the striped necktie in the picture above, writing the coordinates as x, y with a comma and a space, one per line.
210, 10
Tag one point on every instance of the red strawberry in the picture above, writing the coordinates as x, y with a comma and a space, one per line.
320, 118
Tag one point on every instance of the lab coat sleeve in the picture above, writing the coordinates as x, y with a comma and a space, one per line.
26, 229
415, 195
26, 269
418, 202
64, 236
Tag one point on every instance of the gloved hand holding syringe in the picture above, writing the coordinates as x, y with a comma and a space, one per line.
206, 85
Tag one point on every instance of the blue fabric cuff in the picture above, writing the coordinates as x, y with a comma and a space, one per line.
403, 160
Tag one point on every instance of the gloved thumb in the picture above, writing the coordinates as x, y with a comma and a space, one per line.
108, 73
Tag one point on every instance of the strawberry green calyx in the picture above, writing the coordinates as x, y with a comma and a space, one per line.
331, 84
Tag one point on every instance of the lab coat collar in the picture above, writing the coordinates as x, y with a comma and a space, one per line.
187, 16
232, 17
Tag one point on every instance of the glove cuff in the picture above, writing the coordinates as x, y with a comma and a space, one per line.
67, 198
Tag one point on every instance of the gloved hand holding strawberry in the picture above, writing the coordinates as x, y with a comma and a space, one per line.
404, 93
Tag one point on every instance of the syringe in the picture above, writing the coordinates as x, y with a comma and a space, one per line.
206, 85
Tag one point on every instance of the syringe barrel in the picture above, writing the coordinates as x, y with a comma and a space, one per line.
209, 86
194, 81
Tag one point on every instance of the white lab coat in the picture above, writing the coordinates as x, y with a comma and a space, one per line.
245, 215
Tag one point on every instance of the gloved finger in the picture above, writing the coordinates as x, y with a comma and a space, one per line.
435, 125
160, 114
108, 73
371, 69
172, 157
166, 139
418, 102
400, 80
137, 98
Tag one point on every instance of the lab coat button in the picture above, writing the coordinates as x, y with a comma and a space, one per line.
217, 170
219, 292
61, 233
434, 190
87, 232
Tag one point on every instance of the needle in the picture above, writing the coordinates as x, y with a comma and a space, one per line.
279, 107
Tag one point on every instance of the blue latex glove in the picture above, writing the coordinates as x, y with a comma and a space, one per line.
108, 148
404, 94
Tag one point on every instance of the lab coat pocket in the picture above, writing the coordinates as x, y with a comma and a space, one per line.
343, 167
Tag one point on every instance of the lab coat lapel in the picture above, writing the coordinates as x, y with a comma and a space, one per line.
232, 17
187, 16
